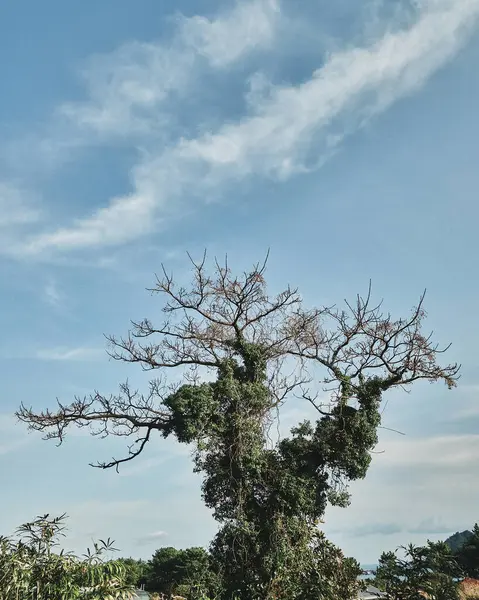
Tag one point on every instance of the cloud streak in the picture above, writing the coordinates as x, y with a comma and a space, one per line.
432, 475
151, 537
289, 129
15, 210
428, 526
441, 452
11, 436
52, 295
129, 88
69, 354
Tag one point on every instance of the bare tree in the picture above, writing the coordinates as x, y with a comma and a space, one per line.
222, 317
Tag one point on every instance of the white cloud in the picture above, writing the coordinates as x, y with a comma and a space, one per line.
128, 88
131, 91
52, 294
277, 139
151, 537
125, 87
138, 526
111, 509
124, 219
290, 128
468, 405
431, 525
16, 208
171, 450
458, 451
69, 354
12, 437
228, 37
7, 447
411, 493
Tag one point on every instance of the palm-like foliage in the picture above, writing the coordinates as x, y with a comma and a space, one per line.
425, 571
31, 570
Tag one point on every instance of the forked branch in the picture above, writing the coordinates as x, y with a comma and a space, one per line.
219, 318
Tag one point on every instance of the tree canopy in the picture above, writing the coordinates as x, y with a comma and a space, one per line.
136, 571
457, 540
183, 572
259, 350
467, 555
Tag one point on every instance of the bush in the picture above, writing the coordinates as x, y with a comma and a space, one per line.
30, 570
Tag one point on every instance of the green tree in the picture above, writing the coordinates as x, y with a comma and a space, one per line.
262, 350
457, 540
135, 571
184, 572
163, 570
430, 569
468, 555
31, 570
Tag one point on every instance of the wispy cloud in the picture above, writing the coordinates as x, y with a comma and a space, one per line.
429, 526
129, 88
283, 133
11, 436
16, 206
7, 447
376, 528
132, 93
289, 128
443, 452
151, 537
171, 450
69, 354
52, 294
468, 406
431, 475
224, 40
117, 508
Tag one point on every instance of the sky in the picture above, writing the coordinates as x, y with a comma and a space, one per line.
341, 136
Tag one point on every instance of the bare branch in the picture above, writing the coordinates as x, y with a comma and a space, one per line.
365, 342
218, 319
122, 415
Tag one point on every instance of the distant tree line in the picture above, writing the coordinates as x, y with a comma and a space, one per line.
407, 574
171, 571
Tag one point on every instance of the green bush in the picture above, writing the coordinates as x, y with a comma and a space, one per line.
30, 570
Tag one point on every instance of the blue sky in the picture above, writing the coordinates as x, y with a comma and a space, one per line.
343, 138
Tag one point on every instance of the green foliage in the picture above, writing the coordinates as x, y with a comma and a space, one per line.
182, 572
468, 554
270, 499
30, 570
135, 571
192, 409
458, 539
431, 569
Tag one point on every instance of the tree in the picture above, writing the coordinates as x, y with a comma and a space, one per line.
184, 572
261, 349
457, 540
30, 570
468, 554
431, 570
135, 571
163, 570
